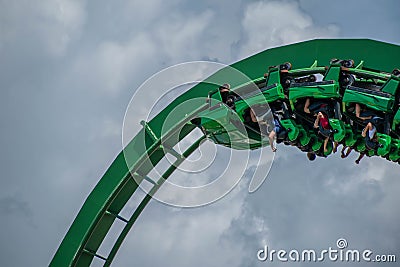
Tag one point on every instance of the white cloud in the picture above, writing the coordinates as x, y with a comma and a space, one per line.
51, 24
68, 130
181, 37
192, 237
272, 23
112, 65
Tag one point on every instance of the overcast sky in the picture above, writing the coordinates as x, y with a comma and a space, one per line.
67, 72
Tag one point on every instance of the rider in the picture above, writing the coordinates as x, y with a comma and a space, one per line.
311, 108
226, 97
261, 115
324, 128
363, 114
371, 139
276, 131
224, 91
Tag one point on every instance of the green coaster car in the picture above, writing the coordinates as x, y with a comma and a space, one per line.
282, 88
385, 141
396, 123
349, 137
230, 125
394, 153
375, 91
328, 88
292, 129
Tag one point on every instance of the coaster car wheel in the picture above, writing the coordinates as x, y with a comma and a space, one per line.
348, 63
285, 66
347, 80
396, 72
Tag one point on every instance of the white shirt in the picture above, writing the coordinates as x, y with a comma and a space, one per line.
371, 132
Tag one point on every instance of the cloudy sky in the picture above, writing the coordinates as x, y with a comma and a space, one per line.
67, 72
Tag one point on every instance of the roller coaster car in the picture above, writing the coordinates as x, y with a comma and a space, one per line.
268, 90
285, 78
394, 150
224, 127
301, 83
385, 145
329, 106
328, 91
274, 88
396, 123
334, 79
283, 82
358, 141
350, 138
230, 124
377, 92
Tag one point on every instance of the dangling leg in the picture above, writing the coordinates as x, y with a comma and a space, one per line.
326, 144
366, 129
306, 106
271, 137
335, 145
359, 158
345, 155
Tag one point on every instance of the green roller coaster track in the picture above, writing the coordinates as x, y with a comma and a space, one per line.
373, 85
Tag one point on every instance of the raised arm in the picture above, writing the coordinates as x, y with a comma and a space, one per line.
364, 132
358, 113
252, 115
317, 119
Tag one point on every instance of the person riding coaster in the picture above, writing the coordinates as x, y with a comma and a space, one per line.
325, 129
358, 115
366, 115
371, 138
264, 117
226, 96
315, 107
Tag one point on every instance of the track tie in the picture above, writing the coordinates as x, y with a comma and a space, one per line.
149, 131
117, 216
147, 178
172, 151
94, 254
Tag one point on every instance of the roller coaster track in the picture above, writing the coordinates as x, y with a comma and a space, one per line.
152, 143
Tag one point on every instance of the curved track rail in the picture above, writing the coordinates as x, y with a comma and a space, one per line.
104, 204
